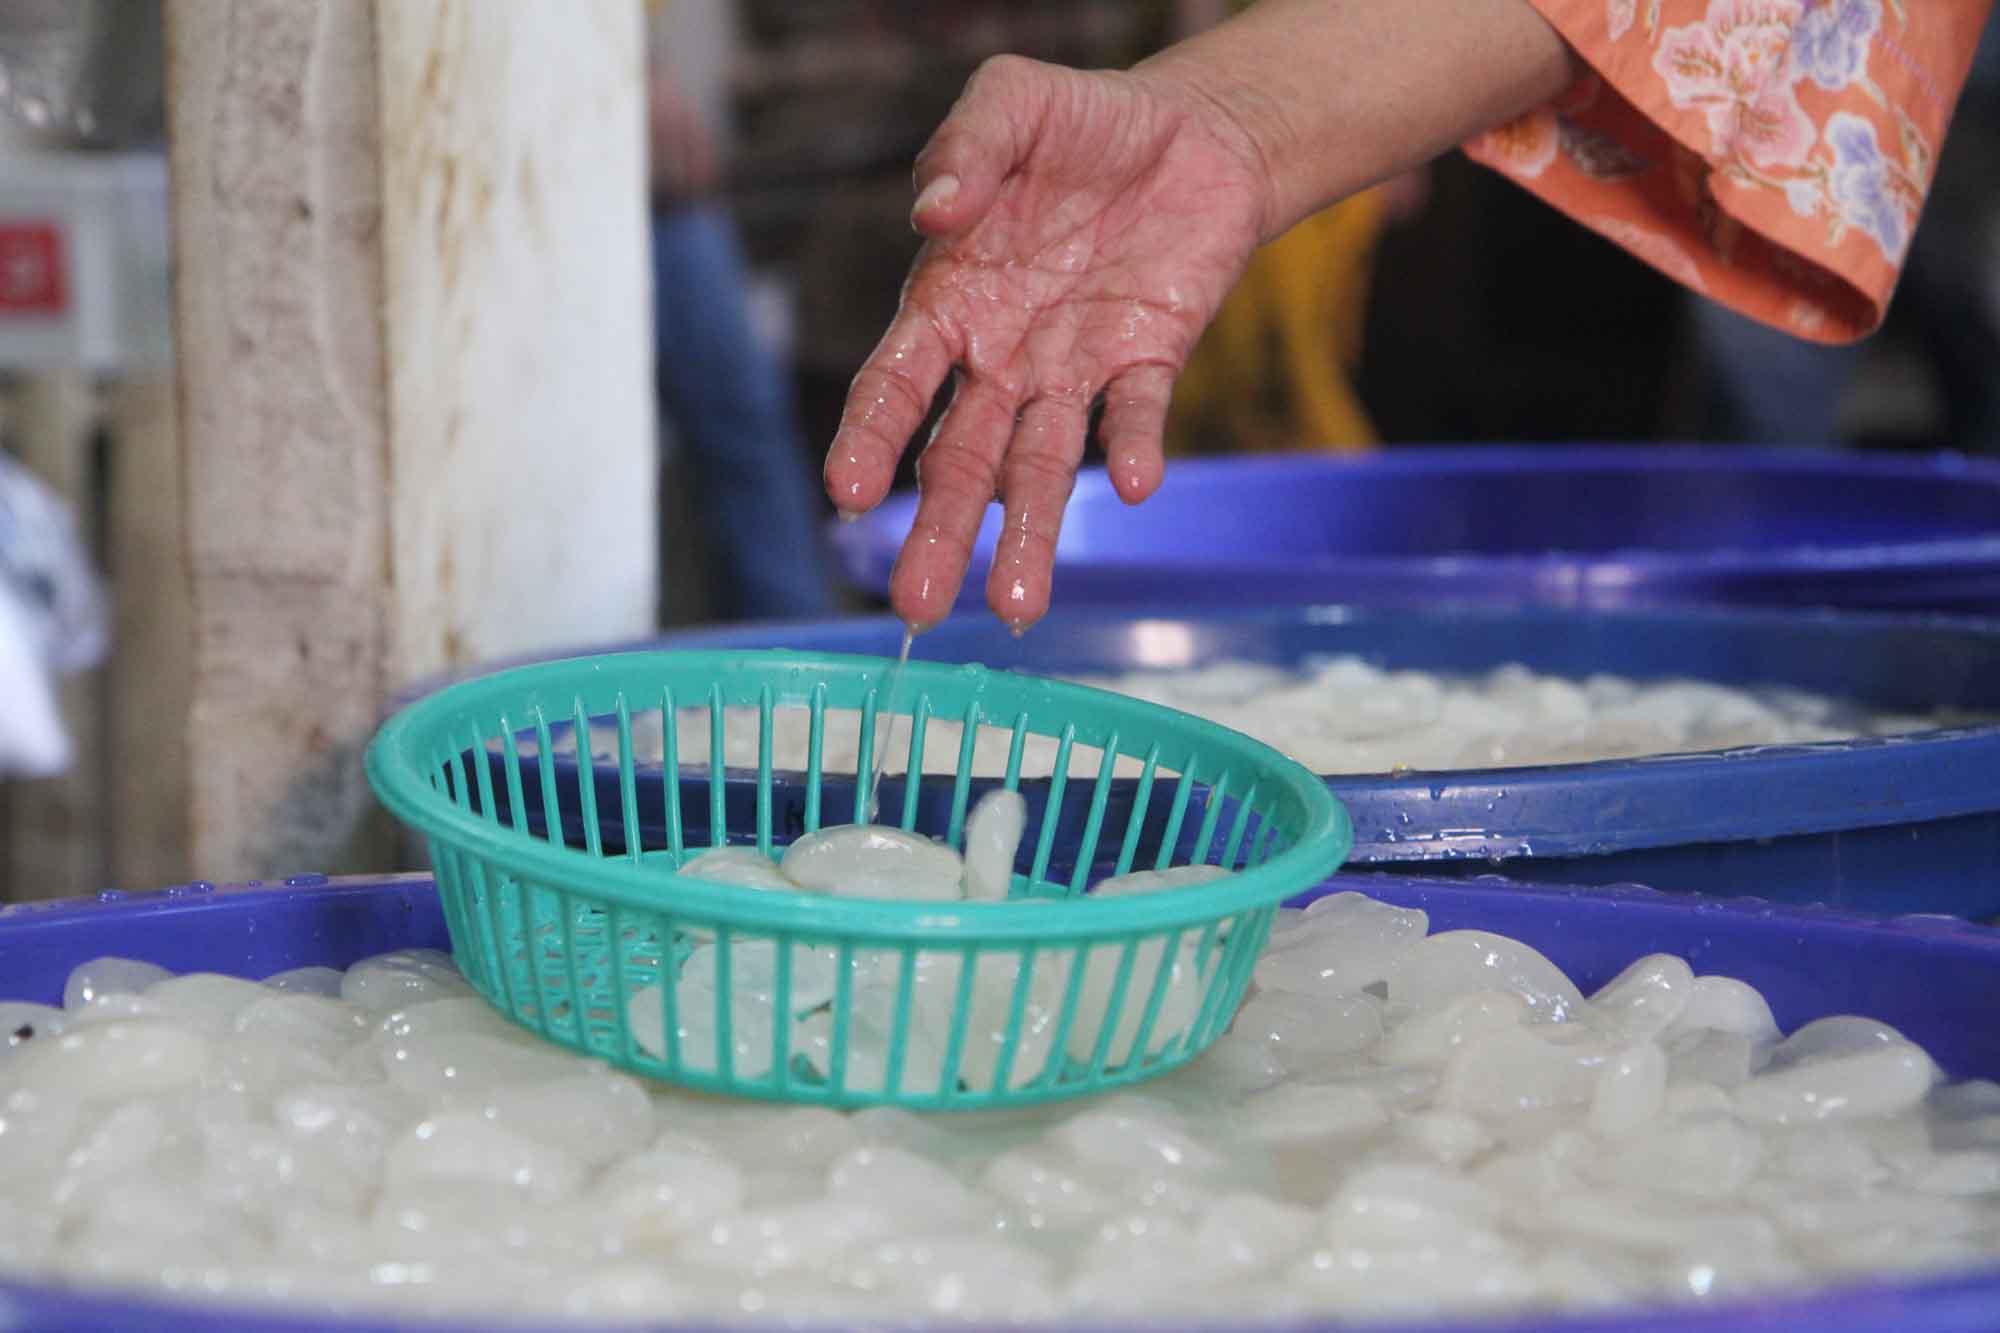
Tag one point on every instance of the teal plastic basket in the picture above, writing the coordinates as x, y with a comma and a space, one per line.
593, 940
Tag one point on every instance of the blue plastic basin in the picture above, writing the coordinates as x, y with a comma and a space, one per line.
1889, 825
1560, 526
1933, 979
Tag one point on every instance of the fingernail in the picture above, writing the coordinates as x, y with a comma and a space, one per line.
937, 192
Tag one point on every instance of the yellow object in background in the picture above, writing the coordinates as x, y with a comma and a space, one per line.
1272, 373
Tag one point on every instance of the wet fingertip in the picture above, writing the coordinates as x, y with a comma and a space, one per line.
851, 496
1134, 481
1019, 614
916, 608
1016, 610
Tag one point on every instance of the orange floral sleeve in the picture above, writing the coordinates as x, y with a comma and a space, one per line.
1771, 154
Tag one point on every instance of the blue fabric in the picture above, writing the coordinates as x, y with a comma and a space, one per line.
727, 401
1778, 390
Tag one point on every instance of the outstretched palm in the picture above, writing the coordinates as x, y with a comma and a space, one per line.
1096, 223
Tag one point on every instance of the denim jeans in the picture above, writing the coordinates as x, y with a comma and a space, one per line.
728, 403
1777, 389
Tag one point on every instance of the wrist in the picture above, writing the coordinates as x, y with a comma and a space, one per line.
1333, 96
1252, 127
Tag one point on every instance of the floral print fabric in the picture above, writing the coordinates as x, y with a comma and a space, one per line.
1772, 154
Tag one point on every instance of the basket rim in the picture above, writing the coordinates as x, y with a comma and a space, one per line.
396, 773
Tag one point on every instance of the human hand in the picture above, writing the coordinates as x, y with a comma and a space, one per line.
1083, 228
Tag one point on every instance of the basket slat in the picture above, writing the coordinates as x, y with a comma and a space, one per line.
568, 923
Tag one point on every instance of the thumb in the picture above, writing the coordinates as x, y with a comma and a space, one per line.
986, 135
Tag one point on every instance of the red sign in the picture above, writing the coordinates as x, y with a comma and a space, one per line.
31, 269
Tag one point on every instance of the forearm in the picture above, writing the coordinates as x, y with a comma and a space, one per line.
1337, 95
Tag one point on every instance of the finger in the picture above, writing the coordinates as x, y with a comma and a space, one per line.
1036, 479
886, 403
1135, 418
957, 477
983, 138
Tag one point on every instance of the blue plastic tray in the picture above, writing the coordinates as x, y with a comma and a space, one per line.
1876, 825
1571, 526
1933, 979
